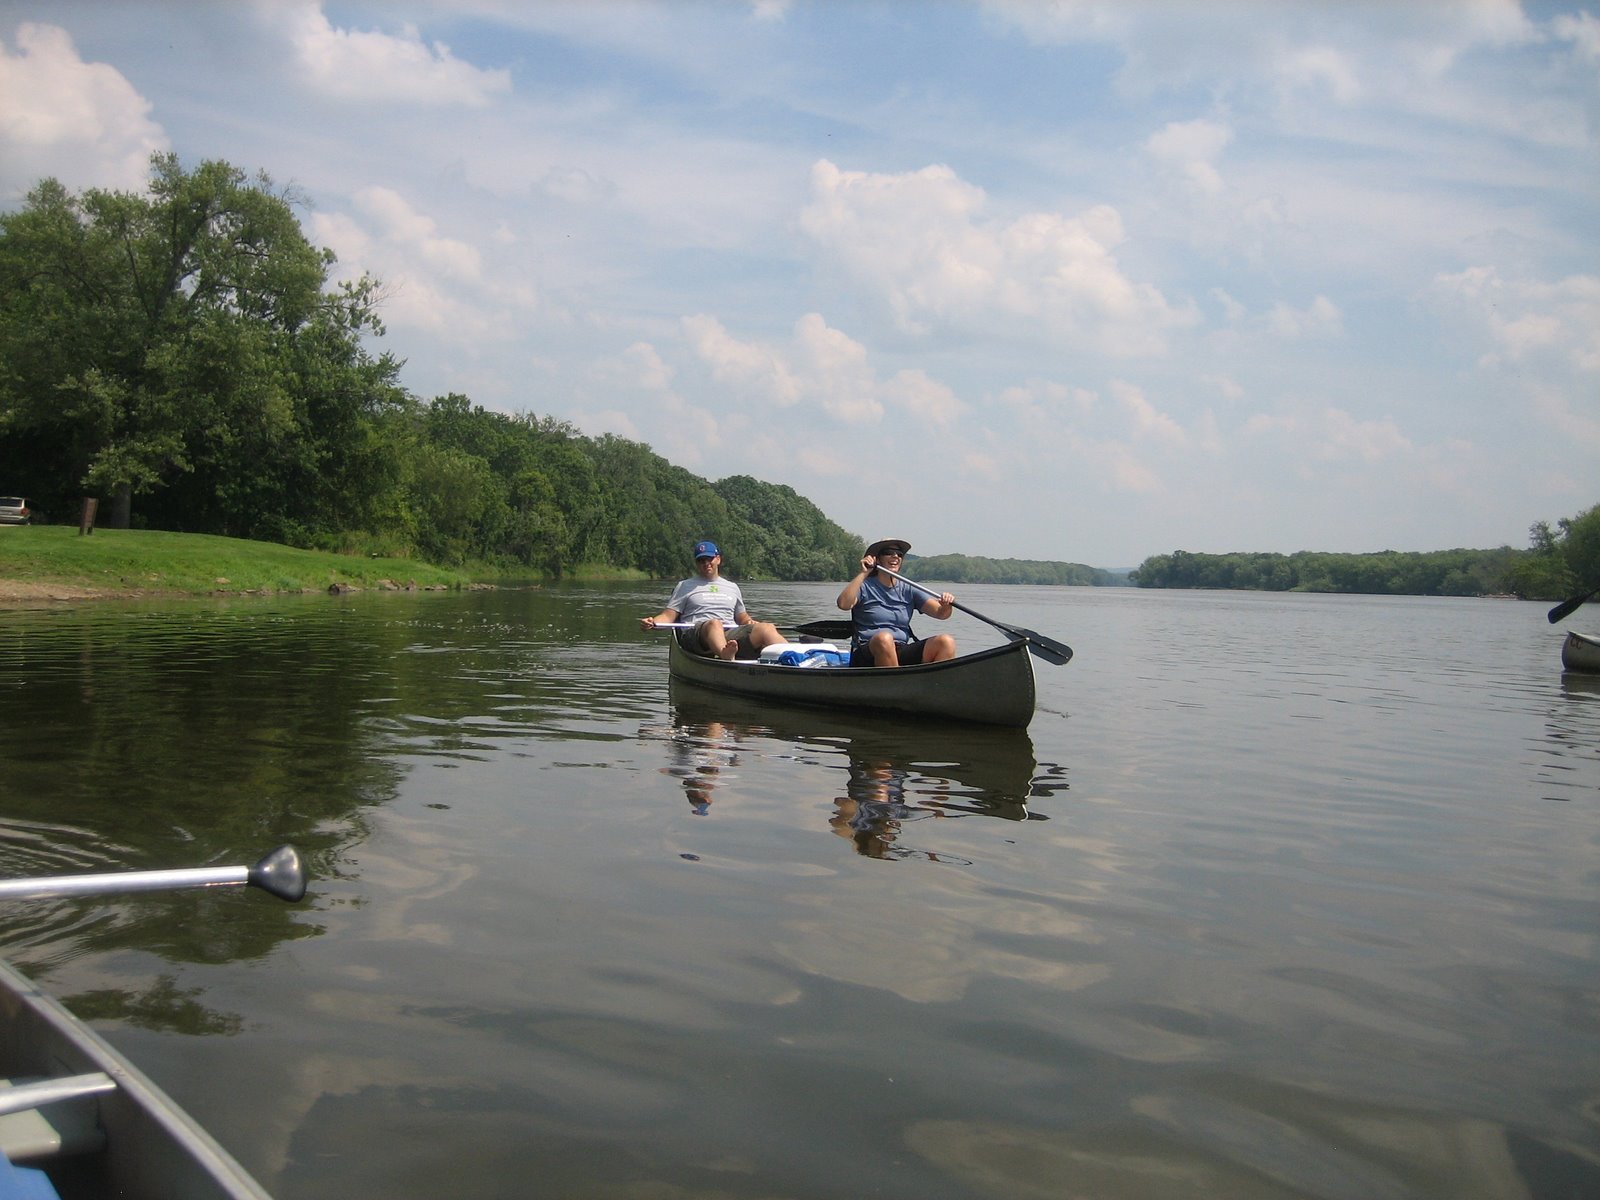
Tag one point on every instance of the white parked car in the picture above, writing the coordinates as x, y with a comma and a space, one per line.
14, 511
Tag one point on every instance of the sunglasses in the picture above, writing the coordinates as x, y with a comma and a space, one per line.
889, 554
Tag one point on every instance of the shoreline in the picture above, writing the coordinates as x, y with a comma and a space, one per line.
18, 592
45, 566
24, 593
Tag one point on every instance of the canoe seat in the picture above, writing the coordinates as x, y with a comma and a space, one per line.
56, 1117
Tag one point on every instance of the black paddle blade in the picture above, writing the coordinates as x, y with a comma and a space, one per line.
1567, 607
1051, 651
280, 874
1046, 648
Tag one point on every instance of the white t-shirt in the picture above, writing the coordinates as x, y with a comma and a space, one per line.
697, 599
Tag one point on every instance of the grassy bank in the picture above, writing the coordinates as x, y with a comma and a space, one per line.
139, 561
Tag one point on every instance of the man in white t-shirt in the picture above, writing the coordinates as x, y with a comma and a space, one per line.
715, 607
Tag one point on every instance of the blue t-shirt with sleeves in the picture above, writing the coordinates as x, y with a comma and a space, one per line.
879, 606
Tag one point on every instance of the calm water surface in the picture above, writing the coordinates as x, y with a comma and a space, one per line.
1279, 896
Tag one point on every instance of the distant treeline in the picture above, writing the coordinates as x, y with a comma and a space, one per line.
1559, 562
1390, 572
962, 568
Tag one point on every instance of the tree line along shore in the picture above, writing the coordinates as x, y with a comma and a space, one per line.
1559, 562
55, 562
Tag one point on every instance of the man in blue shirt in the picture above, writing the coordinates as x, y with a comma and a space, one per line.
715, 607
881, 608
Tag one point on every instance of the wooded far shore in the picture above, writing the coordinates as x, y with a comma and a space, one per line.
56, 562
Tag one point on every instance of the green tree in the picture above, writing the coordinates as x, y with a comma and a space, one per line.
458, 502
1580, 547
789, 537
1560, 561
182, 335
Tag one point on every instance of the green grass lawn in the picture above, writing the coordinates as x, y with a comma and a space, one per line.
141, 560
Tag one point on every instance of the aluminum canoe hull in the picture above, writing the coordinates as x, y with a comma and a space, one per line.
1581, 652
152, 1149
990, 687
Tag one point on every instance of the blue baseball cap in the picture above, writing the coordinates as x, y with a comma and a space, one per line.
706, 550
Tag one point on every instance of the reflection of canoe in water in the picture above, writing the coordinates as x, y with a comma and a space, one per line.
986, 765
892, 773
990, 687
115, 1133
1581, 652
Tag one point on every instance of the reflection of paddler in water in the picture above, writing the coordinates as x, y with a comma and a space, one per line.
897, 777
701, 752
873, 808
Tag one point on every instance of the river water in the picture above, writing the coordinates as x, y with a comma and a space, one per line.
1279, 896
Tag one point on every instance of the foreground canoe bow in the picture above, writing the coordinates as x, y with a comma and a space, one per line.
78, 1121
113, 1132
991, 687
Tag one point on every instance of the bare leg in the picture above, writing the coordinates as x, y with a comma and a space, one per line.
715, 639
938, 648
884, 652
763, 634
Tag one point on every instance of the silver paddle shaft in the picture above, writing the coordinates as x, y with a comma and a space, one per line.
121, 881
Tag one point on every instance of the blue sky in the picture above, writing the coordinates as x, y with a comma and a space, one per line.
1081, 281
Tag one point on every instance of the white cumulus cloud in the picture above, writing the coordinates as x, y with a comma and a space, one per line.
82, 123
650, 371
822, 369
837, 373
769, 10
744, 366
1191, 148
1321, 318
1583, 31
1333, 434
353, 64
403, 225
1523, 318
430, 281
925, 398
1370, 441
1148, 421
1321, 68
921, 244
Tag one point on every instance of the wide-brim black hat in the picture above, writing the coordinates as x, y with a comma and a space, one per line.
882, 544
